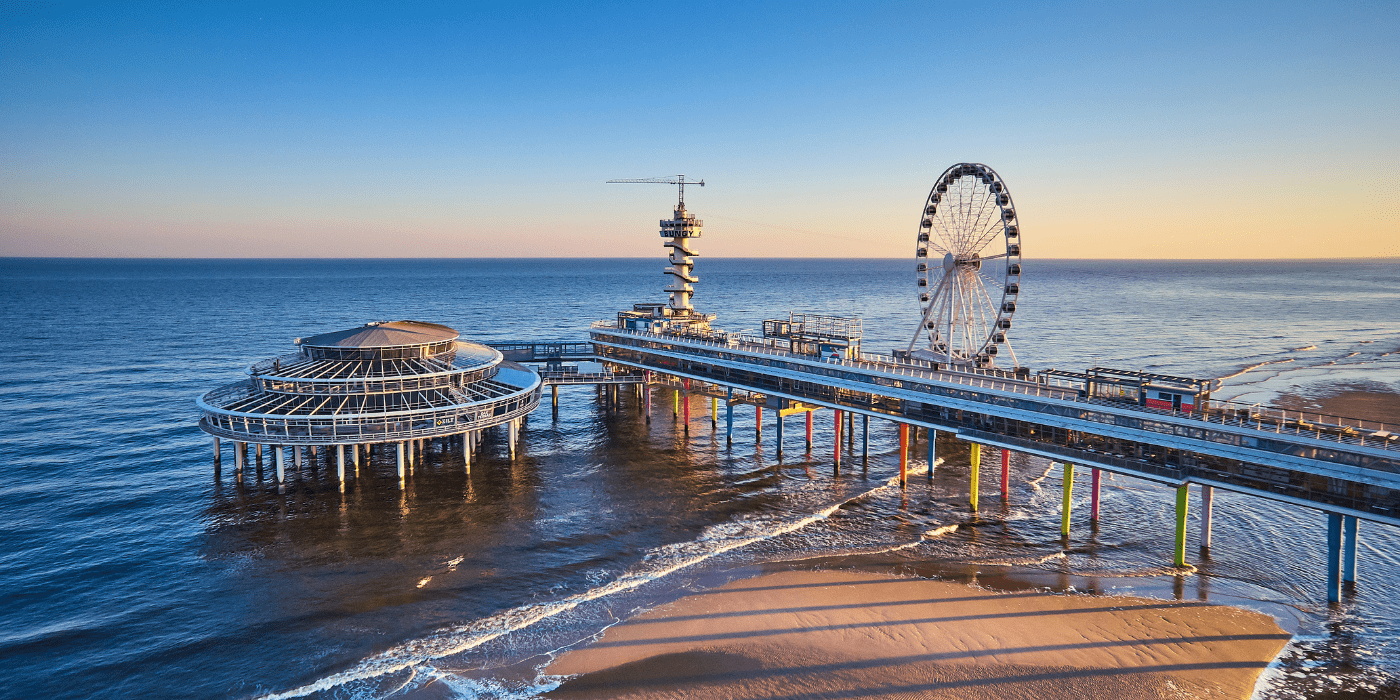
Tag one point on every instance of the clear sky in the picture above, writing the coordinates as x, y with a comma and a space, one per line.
1148, 130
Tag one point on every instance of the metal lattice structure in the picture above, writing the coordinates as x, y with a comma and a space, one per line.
379, 383
968, 264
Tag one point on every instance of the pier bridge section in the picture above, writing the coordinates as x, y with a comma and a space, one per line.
1348, 471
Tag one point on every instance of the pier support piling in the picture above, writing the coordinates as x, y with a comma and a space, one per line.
1182, 501
296, 458
1094, 498
1334, 558
399, 451
467, 452
1207, 510
714, 412
780, 434
217, 450
513, 428
976, 465
240, 453
836, 445
675, 403
340, 464
1067, 481
809, 431
281, 470
932, 451
687, 407
729, 416
1349, 532
757, 424
1005, 474
865, 438
903, 453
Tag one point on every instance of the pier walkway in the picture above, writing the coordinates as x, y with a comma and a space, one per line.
1347, 468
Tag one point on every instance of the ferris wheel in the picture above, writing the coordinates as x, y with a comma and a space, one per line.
969, 268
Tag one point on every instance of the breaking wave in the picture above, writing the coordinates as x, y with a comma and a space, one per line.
657, 564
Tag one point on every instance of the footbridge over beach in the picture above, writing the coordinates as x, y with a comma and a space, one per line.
1349, 469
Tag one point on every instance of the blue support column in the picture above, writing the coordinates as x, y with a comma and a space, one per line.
932, 452
865, 437
1334, 558
780, 432
1349, 527
729, 416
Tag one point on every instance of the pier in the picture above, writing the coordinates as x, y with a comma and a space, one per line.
396, 386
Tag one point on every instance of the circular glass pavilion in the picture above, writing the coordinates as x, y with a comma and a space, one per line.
399, 382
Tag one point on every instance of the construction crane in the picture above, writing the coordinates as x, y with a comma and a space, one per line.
665, 180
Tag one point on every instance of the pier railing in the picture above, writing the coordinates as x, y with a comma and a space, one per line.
354, 428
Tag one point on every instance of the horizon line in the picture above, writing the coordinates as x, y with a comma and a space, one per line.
654, 257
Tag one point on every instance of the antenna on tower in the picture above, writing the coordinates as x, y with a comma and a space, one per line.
664, 180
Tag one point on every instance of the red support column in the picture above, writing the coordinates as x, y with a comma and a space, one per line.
809, 432
903, 453
1005, 472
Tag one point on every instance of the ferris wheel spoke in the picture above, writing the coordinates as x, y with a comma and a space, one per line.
934, 298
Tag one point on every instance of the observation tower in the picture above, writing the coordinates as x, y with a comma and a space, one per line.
385, 385
678, 315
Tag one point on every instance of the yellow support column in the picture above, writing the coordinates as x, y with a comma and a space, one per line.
1068, 479
976, 462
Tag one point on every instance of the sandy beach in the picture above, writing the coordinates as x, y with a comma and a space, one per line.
851, 634
1372, 401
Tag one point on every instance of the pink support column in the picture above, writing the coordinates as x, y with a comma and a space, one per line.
1005, 473
837, 424
1094, 499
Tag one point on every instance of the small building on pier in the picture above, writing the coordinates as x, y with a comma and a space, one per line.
394, 383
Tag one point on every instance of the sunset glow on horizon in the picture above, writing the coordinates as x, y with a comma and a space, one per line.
1203, 131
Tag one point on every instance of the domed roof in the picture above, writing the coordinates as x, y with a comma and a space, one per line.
383, 334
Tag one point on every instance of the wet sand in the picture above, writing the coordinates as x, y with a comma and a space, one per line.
852, 634
1370, 401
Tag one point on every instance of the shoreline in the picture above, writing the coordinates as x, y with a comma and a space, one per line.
784, 631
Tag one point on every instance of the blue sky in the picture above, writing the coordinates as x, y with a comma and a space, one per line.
1164, 130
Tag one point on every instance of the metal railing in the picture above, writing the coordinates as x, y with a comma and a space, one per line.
362, 428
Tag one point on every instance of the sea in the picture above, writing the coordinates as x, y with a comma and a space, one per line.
131, 567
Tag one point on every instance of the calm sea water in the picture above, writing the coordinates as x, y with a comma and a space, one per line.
129, 569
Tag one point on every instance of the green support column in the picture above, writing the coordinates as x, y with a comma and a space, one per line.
1068, 481
1181, 493
976, 462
